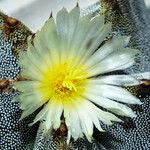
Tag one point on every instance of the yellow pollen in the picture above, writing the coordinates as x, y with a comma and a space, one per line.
64, 87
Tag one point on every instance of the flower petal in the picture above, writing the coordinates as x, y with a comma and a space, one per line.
114, 93
73, 124
121, 80
86, 124
32, 108
29, 71
49, 116
96, 26
102, 33
46, 44
57, 117
30, 98
66, 23
113, 106
123, 57
26, 86
116, 43
92, 114
103, 116
41, 115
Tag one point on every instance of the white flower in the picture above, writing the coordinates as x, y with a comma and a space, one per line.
61, 70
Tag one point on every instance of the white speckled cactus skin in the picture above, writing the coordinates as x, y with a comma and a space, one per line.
14, 134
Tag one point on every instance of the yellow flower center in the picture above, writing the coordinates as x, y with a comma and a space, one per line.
64, 86
64, 82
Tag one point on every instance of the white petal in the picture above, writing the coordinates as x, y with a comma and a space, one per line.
40, 115
85, 54
120, 59
73, 124
46, 44
92, 114
43, 40
39, 60
110, 46
86, 111
79, 36
96, 25
62, 24
114, 93
68, 136
52, 118
58, 113
73, 121
66, 24
113, 106
26, 86
48, 38
107, 117
103, 116
102, 34
87, 30
29, 71
86, 124
30, 110
28, 99
122, 80
49, 117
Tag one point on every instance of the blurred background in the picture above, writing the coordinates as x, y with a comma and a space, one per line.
33, 13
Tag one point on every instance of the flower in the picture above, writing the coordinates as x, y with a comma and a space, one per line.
65, 70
